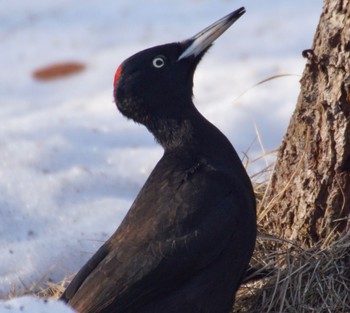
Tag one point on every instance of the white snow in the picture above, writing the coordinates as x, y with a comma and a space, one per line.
70, 164
30, 304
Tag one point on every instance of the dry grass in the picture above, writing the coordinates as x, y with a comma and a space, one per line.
42, 288
315, 279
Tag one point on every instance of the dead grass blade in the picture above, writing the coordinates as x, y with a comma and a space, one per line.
265, 81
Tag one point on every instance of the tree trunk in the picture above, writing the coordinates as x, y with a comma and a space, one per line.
308, 198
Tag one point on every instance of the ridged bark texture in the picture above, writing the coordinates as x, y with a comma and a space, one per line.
308, 198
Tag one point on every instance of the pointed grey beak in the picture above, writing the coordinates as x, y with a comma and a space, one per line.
207, 36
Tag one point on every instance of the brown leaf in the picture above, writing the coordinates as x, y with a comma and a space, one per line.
58, 70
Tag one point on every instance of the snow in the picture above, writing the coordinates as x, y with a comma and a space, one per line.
29, 304
70, 164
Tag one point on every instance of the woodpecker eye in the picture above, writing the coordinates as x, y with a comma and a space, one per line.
158, 62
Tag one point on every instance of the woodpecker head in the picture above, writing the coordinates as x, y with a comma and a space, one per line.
157, 82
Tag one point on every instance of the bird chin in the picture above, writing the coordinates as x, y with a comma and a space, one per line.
132, 108
125, 107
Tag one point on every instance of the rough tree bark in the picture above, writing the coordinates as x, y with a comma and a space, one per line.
308, 198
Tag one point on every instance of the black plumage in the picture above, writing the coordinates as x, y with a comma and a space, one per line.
186, 242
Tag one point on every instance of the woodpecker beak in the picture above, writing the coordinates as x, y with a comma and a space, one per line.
204, 39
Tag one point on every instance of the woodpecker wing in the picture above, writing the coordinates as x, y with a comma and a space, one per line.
177, 226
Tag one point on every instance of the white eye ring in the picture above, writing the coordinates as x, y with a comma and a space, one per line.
158, 62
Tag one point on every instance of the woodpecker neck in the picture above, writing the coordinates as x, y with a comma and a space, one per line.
171, 132
192, 131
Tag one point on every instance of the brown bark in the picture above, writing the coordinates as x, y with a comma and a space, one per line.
308, 198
